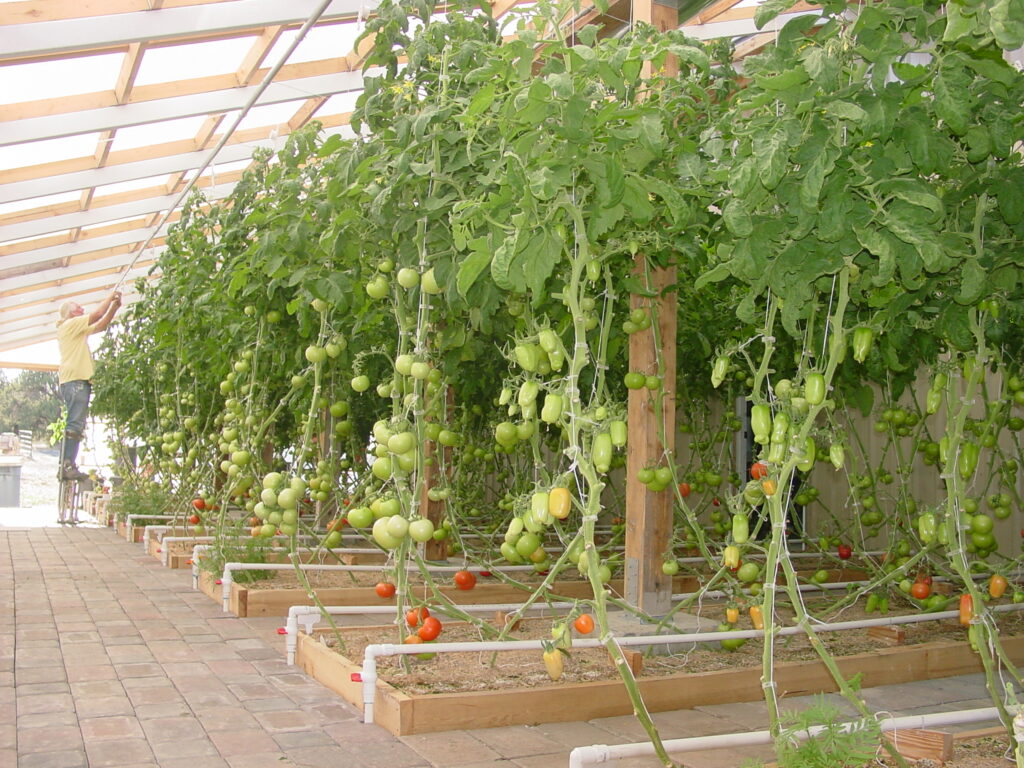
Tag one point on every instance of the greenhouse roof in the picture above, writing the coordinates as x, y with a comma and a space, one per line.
112, 110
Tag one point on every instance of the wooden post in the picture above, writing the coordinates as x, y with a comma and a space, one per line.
434, 510
649, 515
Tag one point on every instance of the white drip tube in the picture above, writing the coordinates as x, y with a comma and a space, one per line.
372, 651
129, 522
309, 615
229, 568
602, 753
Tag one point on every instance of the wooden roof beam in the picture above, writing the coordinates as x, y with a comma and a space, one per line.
709, 13
100, 214
32, 11
171, 153
129, 71
56, 126
246, 72
113, 30
306, 112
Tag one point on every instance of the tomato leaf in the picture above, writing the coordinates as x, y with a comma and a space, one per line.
972, 282
473, 265
737, 218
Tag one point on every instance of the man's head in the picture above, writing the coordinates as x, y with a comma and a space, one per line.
70, 309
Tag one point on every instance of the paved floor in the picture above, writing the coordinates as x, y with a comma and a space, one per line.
108, 659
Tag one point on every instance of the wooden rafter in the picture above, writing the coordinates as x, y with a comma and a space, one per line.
158, 91
711, 12
129, 71
207, 130
32, 11
747, 12
752, 45
58, 167
305, 112
246, 72
107, 200
89, 234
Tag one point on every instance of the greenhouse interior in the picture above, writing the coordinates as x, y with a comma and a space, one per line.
515, 383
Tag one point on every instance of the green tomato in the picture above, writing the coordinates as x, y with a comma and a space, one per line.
408, 278
382, 536
382, 468
635, 380
748, 572
377, 288
670, 567
428, 283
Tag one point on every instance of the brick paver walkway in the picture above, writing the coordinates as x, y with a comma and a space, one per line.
107, 659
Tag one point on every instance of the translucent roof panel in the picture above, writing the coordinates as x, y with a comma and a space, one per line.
38, 202
328, 42
158, 133
150, 182
134, 221
184, 62
59, 78
49, 151
272, 114
339, 103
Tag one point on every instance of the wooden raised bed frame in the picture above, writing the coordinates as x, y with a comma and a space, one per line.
245, 602
403, 714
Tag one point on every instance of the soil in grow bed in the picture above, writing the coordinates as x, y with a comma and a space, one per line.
473, 671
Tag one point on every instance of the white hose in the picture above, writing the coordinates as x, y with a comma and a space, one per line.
602, 753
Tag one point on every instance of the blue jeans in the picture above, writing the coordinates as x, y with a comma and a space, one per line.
75, 395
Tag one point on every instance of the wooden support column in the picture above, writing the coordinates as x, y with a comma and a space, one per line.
649, 516
432, 476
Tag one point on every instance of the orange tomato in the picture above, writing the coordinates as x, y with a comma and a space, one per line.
584, 623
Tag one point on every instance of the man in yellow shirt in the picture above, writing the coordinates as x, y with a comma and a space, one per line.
75, 372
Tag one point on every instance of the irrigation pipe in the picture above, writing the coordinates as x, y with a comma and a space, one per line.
309, 615
370, 654
230, 568
602, 753
129, 522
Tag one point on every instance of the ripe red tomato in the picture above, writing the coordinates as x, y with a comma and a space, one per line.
845, 551
584, 623
684, 489
193, 519
430, 630
464, 580
199, 504
416, 616
919, 590
385, 589
758, 470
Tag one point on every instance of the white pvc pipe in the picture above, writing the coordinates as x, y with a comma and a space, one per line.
309, 615
602, 753
130, 524
372, 651
229, 568
168, 540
